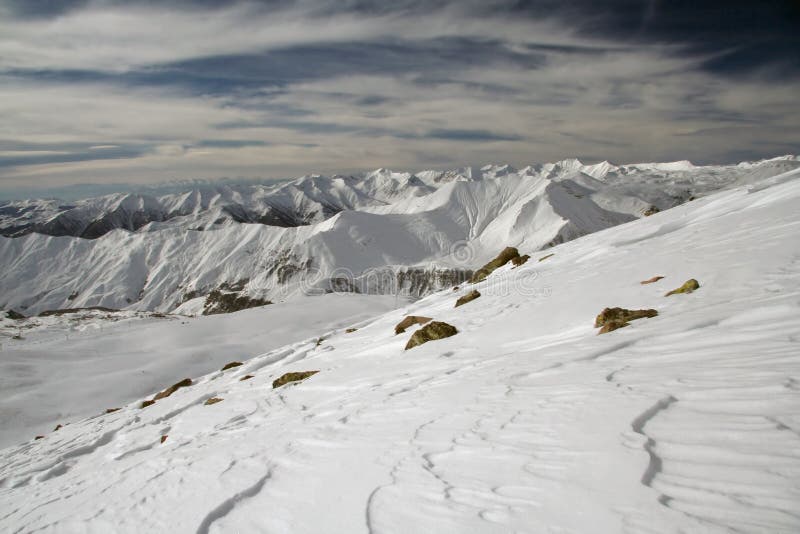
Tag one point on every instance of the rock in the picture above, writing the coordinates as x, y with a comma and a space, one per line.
687, 287
164, 438
245, 377
231, 365
652, 210
350, 330
112, 410
548, 256
612, 325
213, 400
520, 260
219, 302
469, 297
651, 280
292, 377
456, 288
410, 320
147, 403
59, 426
39, 437
507, 255
11, 314
621, 315
431, 332
186, 382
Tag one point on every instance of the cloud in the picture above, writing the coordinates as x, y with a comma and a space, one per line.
139, 91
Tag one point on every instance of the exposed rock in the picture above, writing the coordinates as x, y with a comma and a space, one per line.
507, 255
212, 400
469, 297
147, 403
245, 377
410, 320
612, 325
292, 377
621, 315
112, 410
350, 330
431, 332
456, 288
219, 302
63, 311
652, 210
520, 260
186, 382
39, 437
164, 438
11, 314
548, 256
319, 341
59, 426
687, 287
651, 280
231, 365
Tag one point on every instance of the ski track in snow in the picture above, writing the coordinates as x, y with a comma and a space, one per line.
525, 421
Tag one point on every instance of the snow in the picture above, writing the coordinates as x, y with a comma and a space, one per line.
72, 366
525, 421
355, 225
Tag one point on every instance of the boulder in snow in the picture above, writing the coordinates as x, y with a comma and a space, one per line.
186, 382
431, 332
507, 255
651, 280
687, 287
292, 377
469, 297
613, 318
212, 400
410, 320
231, 365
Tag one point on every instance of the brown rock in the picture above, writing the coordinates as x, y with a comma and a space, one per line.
245, 377
520, 260
548, 256
350, 330
430, 332
507, 255
292, 377
651, 280
186, 382
112, 410
687, 287
231, 365
469, 297
213, 400
410, 320
164, 438
39, 437
58, 427
147, 403
612, 325
621, 315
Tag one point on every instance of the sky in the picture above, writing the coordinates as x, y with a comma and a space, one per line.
109, 93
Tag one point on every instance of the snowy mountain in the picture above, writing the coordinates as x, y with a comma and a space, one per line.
382, 232
524, 420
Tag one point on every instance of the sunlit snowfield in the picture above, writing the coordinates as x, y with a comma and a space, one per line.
524, 421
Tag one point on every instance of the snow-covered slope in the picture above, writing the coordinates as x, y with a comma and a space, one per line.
383, 232
524, 421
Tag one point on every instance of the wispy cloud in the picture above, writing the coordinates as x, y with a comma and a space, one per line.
139, 91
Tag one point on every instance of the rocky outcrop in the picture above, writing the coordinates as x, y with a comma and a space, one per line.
611, 319
520, 260
507, 255
212, 400
220, 302
230, 365
186, 382
410, 320
469, 297
430, 332
292, 377
687, 287
651, 280
11, 314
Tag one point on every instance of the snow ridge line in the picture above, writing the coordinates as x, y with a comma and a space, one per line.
638, 424
230, 503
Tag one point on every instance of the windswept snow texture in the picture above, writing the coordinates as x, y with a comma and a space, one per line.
525, 421
318, 234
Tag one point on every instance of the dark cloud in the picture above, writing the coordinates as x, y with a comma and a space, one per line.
49, 153
471, 135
